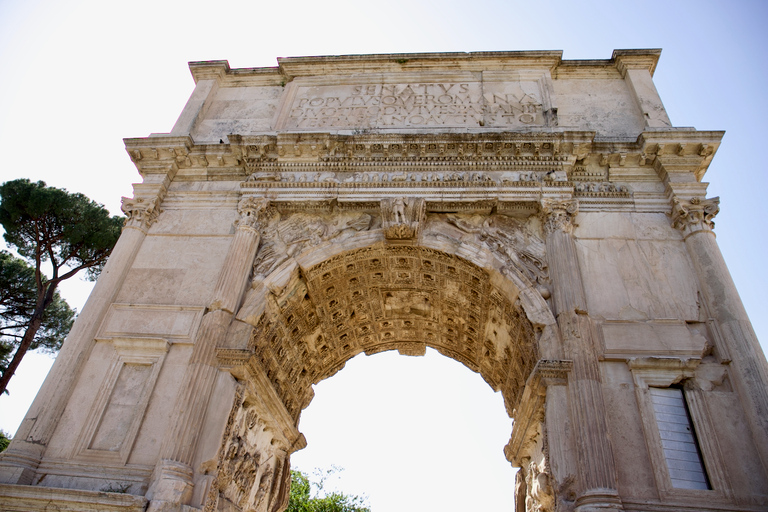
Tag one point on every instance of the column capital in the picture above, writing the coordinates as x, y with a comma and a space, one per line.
140, 213
695, 214
558, 214
254, 213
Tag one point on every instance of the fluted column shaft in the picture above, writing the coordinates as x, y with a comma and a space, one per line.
694, 219
597, 472
172, 481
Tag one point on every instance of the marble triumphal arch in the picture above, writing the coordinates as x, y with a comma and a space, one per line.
537, 219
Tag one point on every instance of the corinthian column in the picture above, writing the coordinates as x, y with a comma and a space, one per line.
172, 480
597, 475
694, 218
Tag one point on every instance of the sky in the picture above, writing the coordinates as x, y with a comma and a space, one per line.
412, 433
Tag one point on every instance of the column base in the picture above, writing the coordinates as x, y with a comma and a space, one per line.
598, 500
17, 468
171, 487
29, 498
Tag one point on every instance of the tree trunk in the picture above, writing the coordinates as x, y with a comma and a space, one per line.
45, 298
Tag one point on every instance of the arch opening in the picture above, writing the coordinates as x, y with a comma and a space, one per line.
411, 433
392, 297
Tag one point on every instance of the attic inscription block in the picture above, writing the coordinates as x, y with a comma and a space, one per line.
416, 105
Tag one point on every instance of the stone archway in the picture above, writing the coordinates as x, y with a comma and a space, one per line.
576, 219
307, 318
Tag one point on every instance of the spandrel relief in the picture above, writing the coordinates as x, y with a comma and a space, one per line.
513, 240
286, 236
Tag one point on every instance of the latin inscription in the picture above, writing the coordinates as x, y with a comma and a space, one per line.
417, 105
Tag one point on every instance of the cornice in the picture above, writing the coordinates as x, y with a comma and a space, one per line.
579, 154
636, 59
289, 68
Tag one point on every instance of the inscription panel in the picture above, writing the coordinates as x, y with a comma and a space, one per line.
506, 105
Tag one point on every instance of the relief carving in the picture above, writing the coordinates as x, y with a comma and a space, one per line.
510, 239
402, 217
248, 463
599, 188
287, 237
539, 497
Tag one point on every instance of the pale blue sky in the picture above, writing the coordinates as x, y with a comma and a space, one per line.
79, 76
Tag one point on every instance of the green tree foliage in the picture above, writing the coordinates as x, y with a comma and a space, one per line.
5, 440
18, 298
301, 499
57, 231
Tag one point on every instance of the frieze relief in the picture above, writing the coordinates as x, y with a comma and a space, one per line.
250, 468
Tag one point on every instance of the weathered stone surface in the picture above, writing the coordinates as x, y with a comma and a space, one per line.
298, 216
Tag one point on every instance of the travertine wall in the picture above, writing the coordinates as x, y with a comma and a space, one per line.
539, 220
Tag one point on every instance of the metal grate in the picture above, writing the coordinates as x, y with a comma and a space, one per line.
678, 440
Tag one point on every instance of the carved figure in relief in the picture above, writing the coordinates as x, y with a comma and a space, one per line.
401, 218
287, 237
510, 239
539, 497
407, 301
603, 187
398, 210
251, 465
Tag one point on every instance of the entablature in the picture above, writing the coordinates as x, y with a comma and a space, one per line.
442, 168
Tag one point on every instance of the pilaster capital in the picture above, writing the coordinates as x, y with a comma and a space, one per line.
558, 214
695, 214
140, 213
254, 213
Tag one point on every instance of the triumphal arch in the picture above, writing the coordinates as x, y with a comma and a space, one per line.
537, 219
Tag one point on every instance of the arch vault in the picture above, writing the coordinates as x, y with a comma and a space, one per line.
558, 243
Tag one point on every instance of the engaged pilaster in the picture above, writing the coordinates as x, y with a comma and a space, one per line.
172, 481
20, 461
694, 218
598, 481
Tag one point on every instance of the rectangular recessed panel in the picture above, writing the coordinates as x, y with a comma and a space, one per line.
678, 440
121, 407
